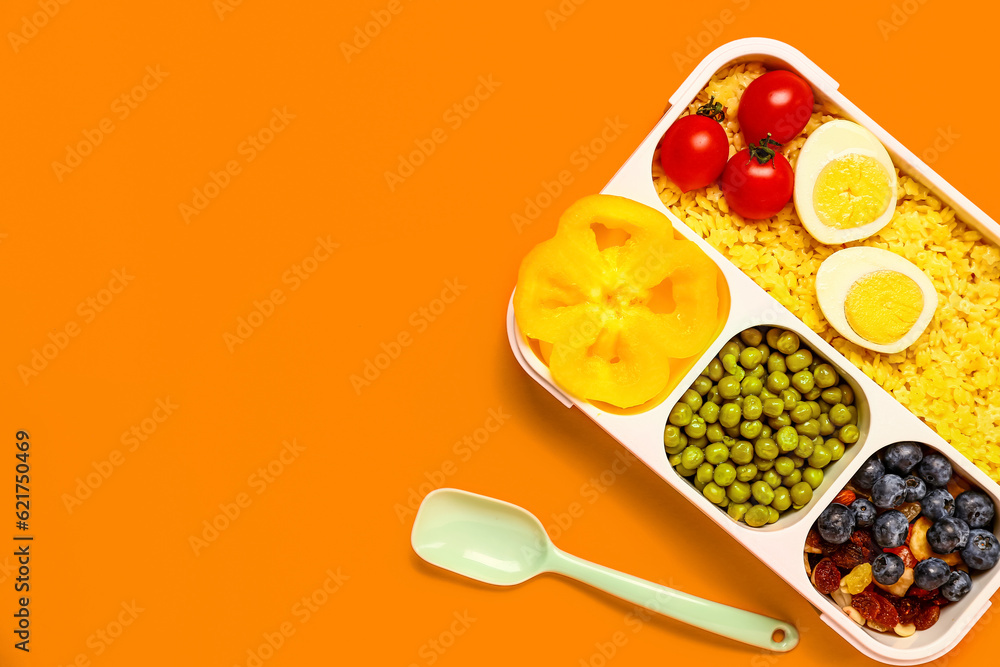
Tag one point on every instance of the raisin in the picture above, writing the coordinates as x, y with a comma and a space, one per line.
887, 616
917, 592
927, 617
848, 556
907, 608
866, 604
826, 576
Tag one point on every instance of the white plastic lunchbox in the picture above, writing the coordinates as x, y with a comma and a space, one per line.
780, 545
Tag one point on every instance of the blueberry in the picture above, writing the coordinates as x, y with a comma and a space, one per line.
948, 534
975, 508
868, 474
935, 470
901, 457
864, 512
931, 573
982, 550
891, 529
937, 503
916, 488
888, 491
836, 523
887, 568
958, 585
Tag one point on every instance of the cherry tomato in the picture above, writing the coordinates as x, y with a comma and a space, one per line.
757, 182
778, 102
693, 152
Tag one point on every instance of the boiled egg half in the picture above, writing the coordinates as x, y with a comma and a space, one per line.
875, 298
845, 183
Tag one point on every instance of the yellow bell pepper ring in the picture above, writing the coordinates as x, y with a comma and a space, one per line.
617, 297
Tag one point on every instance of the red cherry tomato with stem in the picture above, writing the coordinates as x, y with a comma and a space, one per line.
694, 150
757, 181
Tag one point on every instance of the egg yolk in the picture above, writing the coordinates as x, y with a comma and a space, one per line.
851, 191
883, 306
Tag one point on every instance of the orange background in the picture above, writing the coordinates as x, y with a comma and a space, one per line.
335, 504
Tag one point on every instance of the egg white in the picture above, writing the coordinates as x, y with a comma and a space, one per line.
828, 142
845, 267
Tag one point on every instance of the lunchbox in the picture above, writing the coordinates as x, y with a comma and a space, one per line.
780, 545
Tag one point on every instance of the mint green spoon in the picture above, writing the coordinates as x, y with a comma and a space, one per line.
498, 543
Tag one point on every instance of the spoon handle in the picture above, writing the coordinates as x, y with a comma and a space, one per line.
738, 624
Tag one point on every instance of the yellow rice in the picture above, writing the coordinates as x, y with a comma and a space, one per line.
947, 377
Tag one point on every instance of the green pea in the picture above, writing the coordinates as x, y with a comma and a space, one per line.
751, 337
752, 407
672, 436
816, 409
848, 394
701, 385
738, 492
714, 492
799, 461
821, 457
732, 431
709, 412
798, 361
762, 493
773, 515
751, 429
714, 433
791, 398
766, 449
840, 415
782, 499
826, 376
739, 373
750, 386
765, 353
680, 415
729, 362
787, 343
809, 428
716, 453
791, 480
724, 503
772, 335
684, 472
771, 478
732, 348
763, 465
786, 438
836, 449
776, 363
704, 473
801, 493
725, 474
758, 372
750, 357
833, 395
849, 434
772, 407
714, 370
766, 432
818, 440
783, 466
692, 457
826, 426
777, 381
745, 473
696, 428
737, 510
692, 399
757, 516
803, 381
812, 394
804, 447
764, 393
854, 414
729, 387
824, 407
730, 414
700, 443
784, 419
713, 396
813, 477
741, 453
801, 413
698, 484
